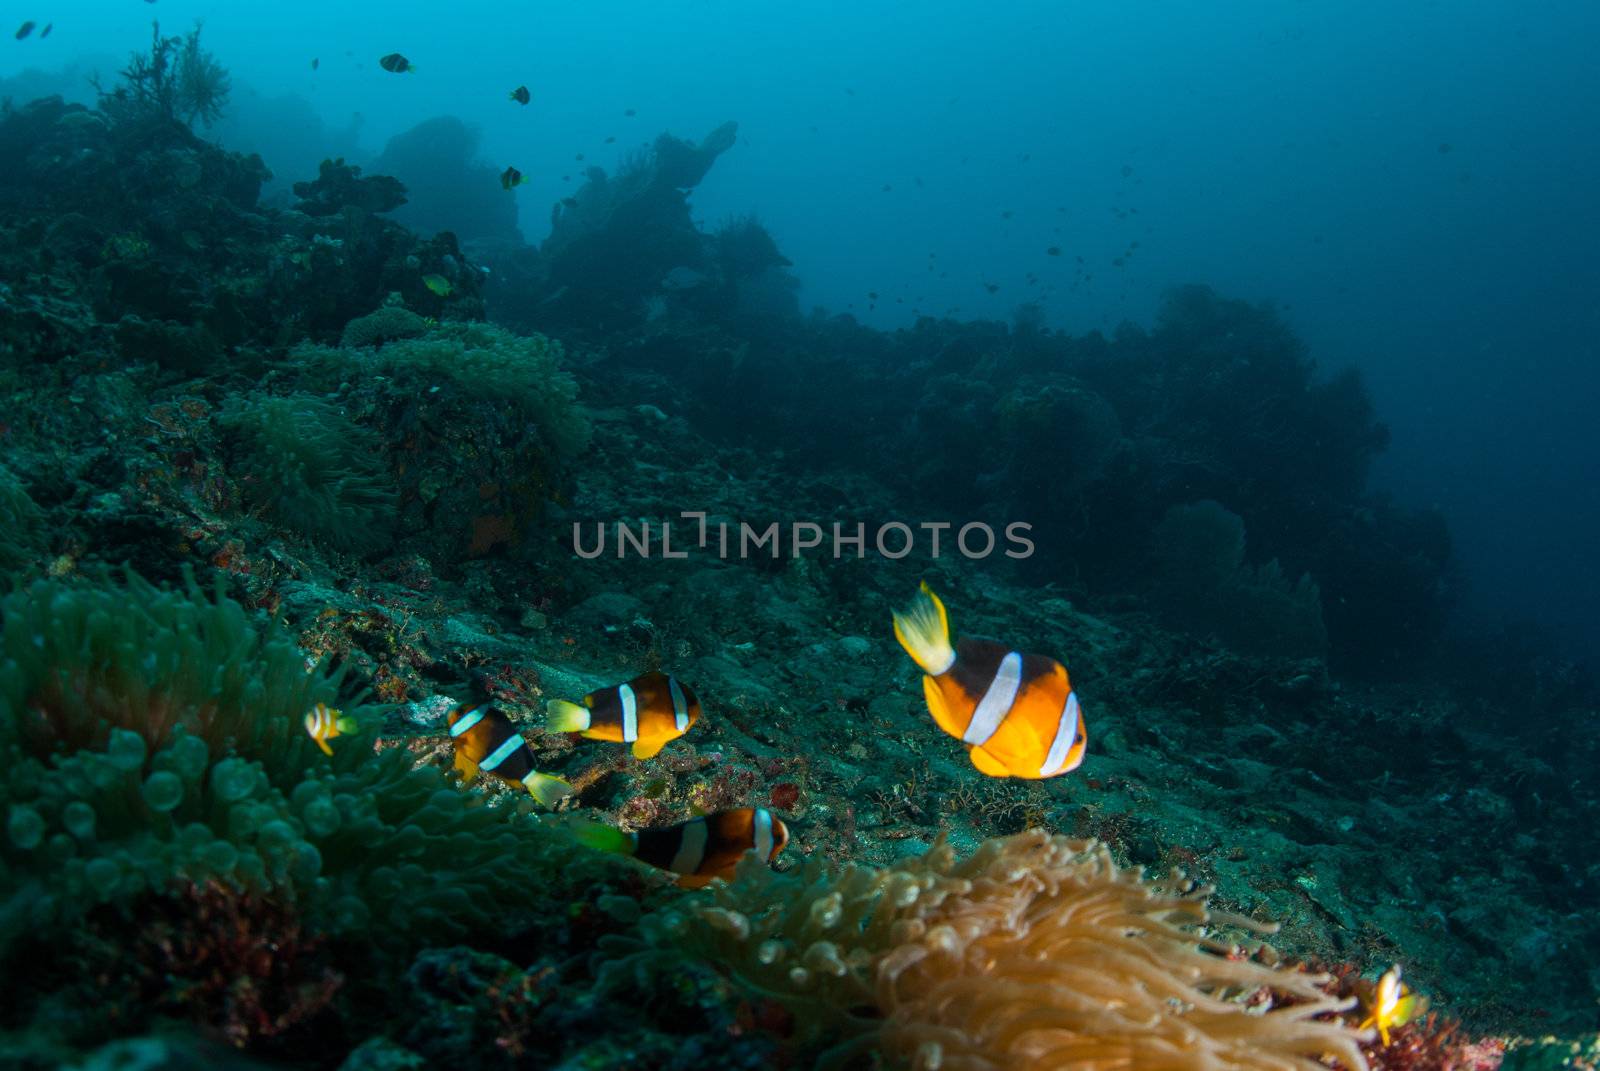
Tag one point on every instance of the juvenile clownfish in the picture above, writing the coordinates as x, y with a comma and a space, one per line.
648, 712
1392, 1005
1018, 713
486, 740
699, 850
324, 723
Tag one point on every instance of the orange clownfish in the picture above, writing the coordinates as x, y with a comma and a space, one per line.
648, 712
1018, 713
324, 723
1392, 1005
701, 849
486, 740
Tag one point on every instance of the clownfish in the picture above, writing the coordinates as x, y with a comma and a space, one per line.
648, 712
486, 740
1392, 1004
699, 850
1018, 713
324, 723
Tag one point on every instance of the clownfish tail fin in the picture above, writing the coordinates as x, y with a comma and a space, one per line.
548, 790
562, 716
603, 838
924, 631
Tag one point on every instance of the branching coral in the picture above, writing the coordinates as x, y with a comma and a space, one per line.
177, 79
1035, 952
315, 471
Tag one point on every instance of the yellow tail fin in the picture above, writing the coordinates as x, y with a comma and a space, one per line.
602, 838
924, 631
548, 790
564, 717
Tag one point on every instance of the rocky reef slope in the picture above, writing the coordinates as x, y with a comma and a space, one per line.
218, 414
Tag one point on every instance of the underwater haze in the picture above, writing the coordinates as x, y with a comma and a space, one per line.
844, 535
1410, 183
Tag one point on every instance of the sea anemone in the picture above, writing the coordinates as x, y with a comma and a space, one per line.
1035, 951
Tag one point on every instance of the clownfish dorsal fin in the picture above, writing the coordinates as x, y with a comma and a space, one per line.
924, 631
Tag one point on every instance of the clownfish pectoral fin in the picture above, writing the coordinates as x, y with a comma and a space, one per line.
648, 747
696, 881
323, 744
562, 716
1411, 1006
987, 763
548, 790
466, 768
924, 631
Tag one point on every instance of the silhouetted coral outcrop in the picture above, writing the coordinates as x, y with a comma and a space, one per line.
448, 188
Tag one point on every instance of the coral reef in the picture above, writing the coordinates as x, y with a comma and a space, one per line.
621, 238
128, 216
339, 187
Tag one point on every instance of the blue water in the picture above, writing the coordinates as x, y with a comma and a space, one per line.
1413, 184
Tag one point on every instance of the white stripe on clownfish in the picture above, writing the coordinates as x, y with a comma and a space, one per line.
691, 848
996, 702
680, 706
500, 754
630, 713
1066, 736
468, 720
763, 833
